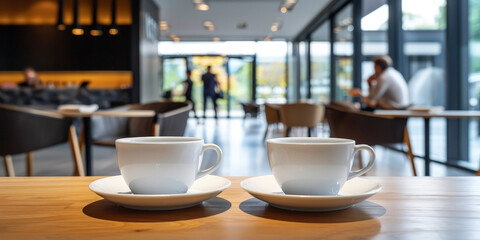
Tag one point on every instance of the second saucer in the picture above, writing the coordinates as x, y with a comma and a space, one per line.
354, 191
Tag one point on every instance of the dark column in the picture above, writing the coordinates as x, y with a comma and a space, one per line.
456, 77
395, 35
357, 44
333, 77
254, 78
309, 69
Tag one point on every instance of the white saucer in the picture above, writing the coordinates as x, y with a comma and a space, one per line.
115, 189
354, 191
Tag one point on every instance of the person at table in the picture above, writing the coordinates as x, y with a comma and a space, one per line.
31, 79
187, 90
387, 87
209, 83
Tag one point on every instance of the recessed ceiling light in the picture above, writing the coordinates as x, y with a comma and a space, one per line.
287, 5
275, 27
268, 38
201, 5
164, 25
216, 39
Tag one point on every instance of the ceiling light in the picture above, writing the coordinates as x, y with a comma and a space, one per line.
77, 30
164, 25
209, 25
96, 30
60, 24
268, 38
113, 27
287, 5
275, 27
201, 5
216, 39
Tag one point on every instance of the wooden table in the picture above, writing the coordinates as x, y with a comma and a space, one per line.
86, 118
426, 117
406, 208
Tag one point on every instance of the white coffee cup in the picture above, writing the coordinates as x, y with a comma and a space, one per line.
163, 165
314, 166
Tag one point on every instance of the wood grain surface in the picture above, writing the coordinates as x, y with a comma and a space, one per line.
406, 208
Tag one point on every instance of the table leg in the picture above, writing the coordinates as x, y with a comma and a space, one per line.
88, 145
427, 146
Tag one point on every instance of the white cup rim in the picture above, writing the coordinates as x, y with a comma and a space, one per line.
310, 141
159, 140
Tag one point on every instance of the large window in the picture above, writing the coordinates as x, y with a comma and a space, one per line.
474, 76
302, 50
374, 36
271, 78
343, 52
424, 48
320, 64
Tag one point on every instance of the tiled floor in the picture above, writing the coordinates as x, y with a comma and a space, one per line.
244, 153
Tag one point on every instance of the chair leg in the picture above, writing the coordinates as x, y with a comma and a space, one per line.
266, 132
9, 166
81, 142
156, 129
75, 148
287, 131
309, 132
30, 164
410, 156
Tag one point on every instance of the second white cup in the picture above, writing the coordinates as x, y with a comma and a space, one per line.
163, 165
314, 166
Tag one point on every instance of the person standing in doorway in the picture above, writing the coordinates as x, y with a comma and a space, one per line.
187, 90
210, 82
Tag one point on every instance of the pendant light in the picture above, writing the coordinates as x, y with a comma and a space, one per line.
60, 24
96, 29
77, 30
113, 27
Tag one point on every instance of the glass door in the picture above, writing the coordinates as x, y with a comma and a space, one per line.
240, 87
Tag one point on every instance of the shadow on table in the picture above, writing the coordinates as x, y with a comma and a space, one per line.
106, 210
363, 211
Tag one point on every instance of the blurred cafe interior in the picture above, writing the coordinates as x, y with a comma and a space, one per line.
118, 52
75, 75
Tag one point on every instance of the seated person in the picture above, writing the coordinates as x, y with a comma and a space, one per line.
388, 89
31, 79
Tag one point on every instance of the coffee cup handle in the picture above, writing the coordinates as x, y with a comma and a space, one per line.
370, 163
209, 170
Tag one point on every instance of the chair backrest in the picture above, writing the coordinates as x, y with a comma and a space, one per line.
164, 110
364, 127
301, 114
272, 113
25, 129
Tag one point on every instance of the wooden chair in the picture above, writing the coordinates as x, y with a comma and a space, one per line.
367, 128
23, 130
272, 116
301, 115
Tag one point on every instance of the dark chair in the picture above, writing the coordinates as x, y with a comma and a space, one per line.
367, 128
23, 130
301, 115
272, 116
250, 109
170, 120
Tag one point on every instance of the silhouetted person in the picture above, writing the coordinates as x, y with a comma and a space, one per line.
31, 79
387, 87
209, 83
187, 90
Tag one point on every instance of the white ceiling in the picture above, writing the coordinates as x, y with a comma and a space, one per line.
187, 23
